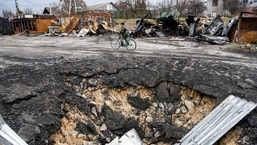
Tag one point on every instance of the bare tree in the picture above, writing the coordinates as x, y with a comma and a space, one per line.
232, 6
196, 7
141, 8
71, 6
182, 7
28, 11
132, 8
164, 6
126, 8
7, 13
152, 9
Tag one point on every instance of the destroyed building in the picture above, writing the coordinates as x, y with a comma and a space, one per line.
6, 27
32, 24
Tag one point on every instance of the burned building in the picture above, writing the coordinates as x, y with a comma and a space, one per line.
32, 24
5, 26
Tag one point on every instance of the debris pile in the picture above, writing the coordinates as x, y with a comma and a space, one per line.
200, 28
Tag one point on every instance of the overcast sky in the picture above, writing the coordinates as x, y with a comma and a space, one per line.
38, 5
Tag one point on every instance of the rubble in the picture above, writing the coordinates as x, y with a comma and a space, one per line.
213, 39
84, 32
217, 32
141, 28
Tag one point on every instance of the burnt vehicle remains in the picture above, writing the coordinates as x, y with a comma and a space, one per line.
168, 24
241, 29
141, 26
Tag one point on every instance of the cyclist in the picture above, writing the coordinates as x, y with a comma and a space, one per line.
124, 33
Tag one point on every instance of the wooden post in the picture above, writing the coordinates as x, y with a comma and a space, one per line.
69, 7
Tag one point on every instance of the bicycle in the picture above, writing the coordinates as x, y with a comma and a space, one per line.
129, 43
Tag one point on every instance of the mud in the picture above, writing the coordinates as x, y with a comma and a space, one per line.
68, 96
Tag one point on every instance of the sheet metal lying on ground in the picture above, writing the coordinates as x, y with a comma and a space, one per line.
218, 122
129, 138
8, 136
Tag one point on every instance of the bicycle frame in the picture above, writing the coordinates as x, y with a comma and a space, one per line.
130, 44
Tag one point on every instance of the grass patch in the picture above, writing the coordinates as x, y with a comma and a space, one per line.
242, 48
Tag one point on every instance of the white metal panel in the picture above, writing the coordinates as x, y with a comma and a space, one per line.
8, 136
129, 138
218, 122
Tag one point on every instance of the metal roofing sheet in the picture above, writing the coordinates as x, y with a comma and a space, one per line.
218, 122
8, 136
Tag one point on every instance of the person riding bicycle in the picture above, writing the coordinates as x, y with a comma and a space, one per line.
124, 33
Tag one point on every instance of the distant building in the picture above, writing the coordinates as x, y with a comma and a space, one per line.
108, 7
215, 7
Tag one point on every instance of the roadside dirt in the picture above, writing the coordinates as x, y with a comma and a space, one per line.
70, 90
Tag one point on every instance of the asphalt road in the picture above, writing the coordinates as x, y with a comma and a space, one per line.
70, 47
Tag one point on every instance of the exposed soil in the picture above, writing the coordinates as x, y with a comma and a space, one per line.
74, 91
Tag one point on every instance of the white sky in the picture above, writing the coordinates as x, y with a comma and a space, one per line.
38, 5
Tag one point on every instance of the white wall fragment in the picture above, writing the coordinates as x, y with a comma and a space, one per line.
129, 138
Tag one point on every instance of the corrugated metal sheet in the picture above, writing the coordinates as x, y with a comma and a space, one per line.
8, 136
218, 122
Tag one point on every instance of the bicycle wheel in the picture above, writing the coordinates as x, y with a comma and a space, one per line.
115, 43
131, 44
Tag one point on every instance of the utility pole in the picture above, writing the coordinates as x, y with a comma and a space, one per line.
17, 8
70, 8
75, 6
50, 7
